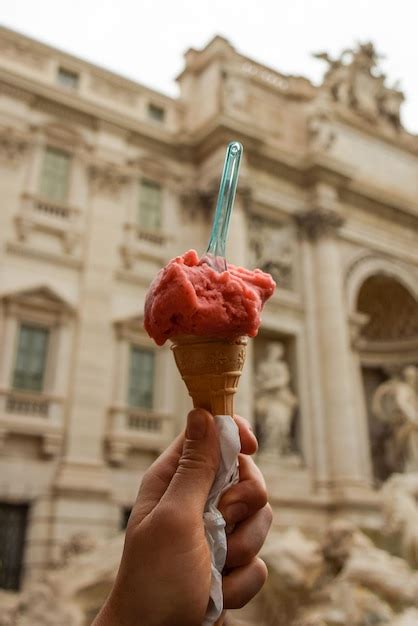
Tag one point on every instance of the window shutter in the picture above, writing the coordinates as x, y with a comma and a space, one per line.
141, 378
31, 358
55, 174
150, 197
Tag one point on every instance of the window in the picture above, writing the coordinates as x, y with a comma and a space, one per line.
156, 113
55, 174
150, 205
31, 356
67, 78
13, 522
141, 378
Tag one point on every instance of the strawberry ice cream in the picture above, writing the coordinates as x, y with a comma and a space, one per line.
191, 298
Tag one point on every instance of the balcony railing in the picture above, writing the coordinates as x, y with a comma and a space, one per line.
32, 414
141, 243
50, 208
41, 214
26, 405
137, 429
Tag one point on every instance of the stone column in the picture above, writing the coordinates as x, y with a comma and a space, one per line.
90, 394
339, 435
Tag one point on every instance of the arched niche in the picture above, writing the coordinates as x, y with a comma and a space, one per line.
384, 309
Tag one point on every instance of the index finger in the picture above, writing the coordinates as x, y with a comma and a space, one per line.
249, 444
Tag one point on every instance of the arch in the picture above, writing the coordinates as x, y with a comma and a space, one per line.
367, 265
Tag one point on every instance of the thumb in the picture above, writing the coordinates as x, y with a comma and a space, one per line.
197, 465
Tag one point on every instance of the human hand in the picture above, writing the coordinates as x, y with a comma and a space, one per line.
165, 572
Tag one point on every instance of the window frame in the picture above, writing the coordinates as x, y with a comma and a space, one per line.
150, 183
64, 71
50, 147
46, 357
153, 113
132, 346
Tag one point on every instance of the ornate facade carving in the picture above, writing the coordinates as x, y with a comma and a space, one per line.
275, 403
353, 80
344, 580
400, 513
235, 92
107, 178
113, 90
13, 146
316, 223
80, 543
24, 52
272, 247
321, 130
196, 205
40, 605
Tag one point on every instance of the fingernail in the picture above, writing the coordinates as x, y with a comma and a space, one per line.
196, 425
236, 512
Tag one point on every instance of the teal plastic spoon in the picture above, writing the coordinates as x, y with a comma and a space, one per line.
215, 253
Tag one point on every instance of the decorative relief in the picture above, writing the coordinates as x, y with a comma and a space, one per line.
107, 178
354, 80
53, 218
272, 246
113, 90
265, 75
196, 205
80, 543
275, 403
235, 93
316, 223
322, 134
13, 146
23, 52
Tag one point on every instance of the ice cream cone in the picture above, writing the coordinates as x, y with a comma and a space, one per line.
211, 369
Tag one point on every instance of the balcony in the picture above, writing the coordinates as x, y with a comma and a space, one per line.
47, 216
142, 244
32, 414
137, 429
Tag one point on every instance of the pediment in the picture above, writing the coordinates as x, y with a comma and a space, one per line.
41, 297
130, 327
64, 134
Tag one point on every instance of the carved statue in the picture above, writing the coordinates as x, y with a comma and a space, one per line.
345, 580
395, 402
353, 80
39, 605
275, 403
321, 132
80, 543
400, 513
236, 95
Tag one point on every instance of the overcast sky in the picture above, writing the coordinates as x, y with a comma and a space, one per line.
145, 39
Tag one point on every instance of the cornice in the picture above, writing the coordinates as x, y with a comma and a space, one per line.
47, 97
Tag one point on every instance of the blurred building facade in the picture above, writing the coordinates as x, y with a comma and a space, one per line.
103, 180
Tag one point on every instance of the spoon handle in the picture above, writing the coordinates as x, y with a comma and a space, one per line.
226, 196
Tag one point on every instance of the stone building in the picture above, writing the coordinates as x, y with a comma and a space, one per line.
103, 180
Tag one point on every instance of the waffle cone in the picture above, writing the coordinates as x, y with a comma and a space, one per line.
211, 369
